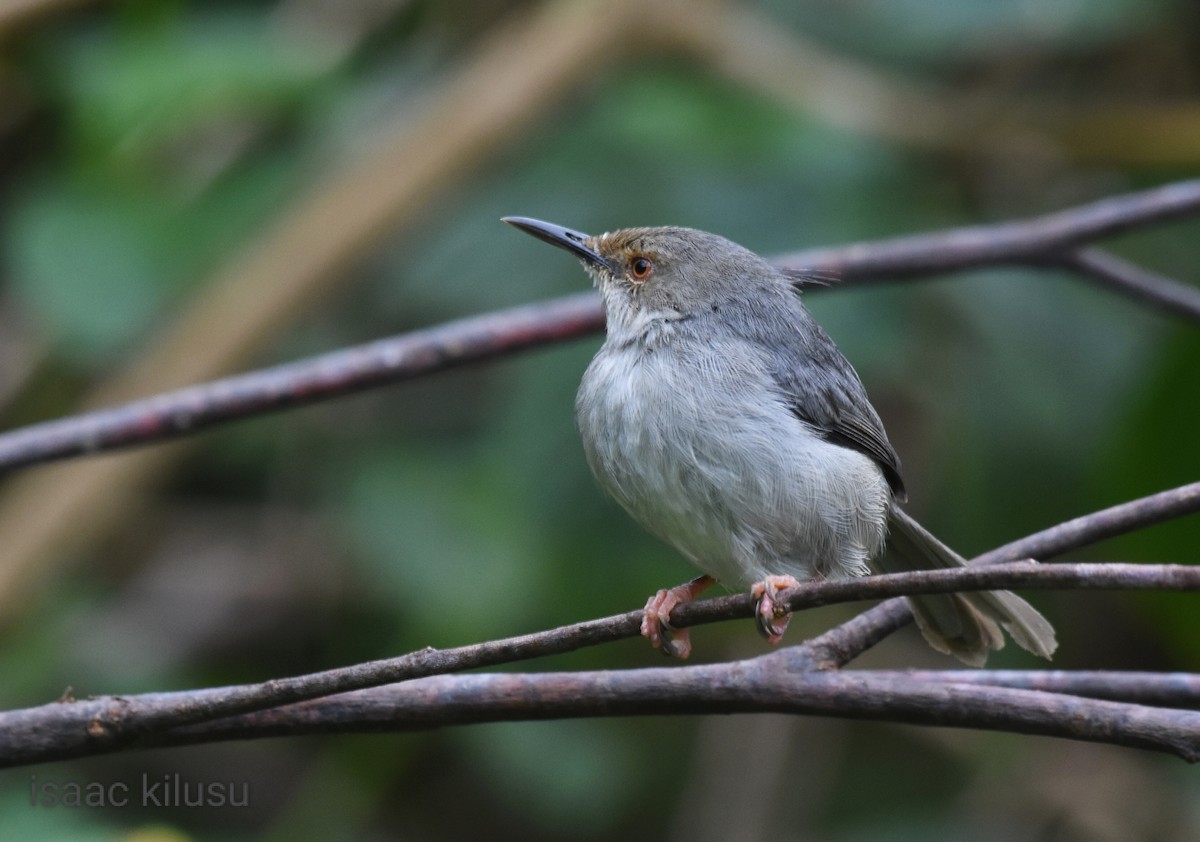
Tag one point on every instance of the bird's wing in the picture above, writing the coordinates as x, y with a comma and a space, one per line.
823, 390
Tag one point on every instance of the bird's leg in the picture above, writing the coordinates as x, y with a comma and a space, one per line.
772, 621
656, 623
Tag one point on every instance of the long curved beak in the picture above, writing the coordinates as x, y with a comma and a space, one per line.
573, 241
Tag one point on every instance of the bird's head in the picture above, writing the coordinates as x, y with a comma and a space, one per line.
660, 273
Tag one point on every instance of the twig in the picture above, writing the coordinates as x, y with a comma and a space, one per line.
1027, 574
1166, 294
1163, 689
1046, 240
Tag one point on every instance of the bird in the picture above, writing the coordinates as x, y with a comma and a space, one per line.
722, 417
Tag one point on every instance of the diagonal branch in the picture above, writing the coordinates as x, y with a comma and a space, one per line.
1166, 294
194, 408
1098, 526
843, 644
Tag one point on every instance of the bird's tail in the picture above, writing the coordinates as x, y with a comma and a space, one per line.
966, 625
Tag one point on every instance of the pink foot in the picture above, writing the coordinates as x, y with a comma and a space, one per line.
656, 622
772, 621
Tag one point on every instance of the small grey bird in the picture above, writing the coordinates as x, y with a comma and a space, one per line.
722, 417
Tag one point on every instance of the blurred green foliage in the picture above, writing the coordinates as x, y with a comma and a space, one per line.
150, 143
129, 214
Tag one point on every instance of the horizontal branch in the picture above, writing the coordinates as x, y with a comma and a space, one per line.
753, 686
1048, 240
58, 731
1006, 576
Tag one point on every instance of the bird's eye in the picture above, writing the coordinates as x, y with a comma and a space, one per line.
641, 267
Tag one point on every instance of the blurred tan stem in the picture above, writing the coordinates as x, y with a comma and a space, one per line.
511, 79
17, 13
748, 47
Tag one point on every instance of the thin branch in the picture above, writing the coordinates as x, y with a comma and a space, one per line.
1099, 526
1166, 294
837, 647
188, 410
1161, 689
1026, 574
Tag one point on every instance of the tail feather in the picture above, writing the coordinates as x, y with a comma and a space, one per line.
965, 625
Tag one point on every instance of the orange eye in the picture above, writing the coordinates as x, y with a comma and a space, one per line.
640, 268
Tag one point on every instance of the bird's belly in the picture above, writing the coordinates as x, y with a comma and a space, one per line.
736, 483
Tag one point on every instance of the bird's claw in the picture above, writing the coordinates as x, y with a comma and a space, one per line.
769, 617
656, 625
656, 617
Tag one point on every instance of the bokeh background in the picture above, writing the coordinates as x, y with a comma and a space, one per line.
190, 189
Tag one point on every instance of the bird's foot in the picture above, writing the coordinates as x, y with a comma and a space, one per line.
772, 621
656, 621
